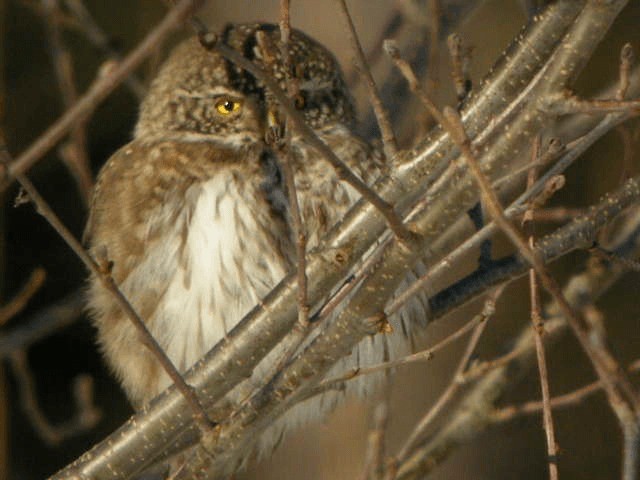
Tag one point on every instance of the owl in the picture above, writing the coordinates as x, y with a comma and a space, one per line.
192, 216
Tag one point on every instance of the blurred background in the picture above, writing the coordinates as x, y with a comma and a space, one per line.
31, 101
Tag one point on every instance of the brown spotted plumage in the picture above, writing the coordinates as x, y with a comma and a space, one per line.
193, 215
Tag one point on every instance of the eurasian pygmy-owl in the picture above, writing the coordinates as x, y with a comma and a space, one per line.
193, 216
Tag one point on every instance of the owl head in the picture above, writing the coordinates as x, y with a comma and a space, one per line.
323, 96
197, 96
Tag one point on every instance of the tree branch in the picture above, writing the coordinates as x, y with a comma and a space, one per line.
501, 118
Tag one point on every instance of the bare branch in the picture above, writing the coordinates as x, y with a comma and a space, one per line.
627, 59
567, 103
21, 299
100, 39
74, 153
538, 327
459, 66
100, 89
86, 417
42, 324
298, 227
103, 274
474, 413
570, 399
388, 137
411, 443
422, 356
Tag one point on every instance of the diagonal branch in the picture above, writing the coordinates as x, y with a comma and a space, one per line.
474, 413
100, 89
388, 137
308, 368
103, 274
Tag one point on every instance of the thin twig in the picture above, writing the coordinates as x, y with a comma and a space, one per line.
487, 311
481, 368
87, 414
566, 103
537, 324
388, 137
511, 412
554, 149
627, 59
98, 91
97, 36
459, 66
556, 214
600, 358
104, 276
422, 356
21, 299
74, 152
570, 399
394, 221
298, 226
283, 146
42, 324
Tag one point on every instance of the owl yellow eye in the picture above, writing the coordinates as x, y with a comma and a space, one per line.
227, 106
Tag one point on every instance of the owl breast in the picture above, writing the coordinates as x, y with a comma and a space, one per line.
223, 270
214, 260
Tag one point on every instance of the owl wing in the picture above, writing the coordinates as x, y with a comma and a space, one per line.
108, 187
118, 208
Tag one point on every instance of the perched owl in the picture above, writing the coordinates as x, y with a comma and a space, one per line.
192, 216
